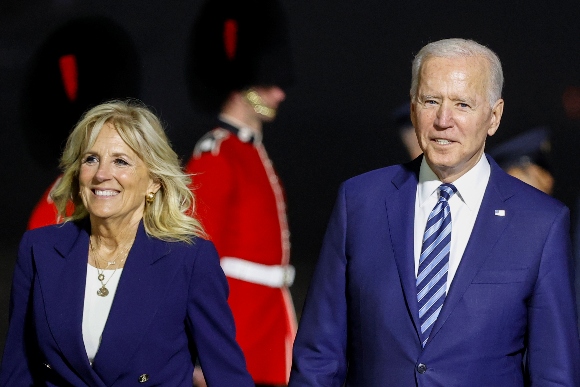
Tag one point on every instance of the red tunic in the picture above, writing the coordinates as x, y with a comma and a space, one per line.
241, 205
45, 212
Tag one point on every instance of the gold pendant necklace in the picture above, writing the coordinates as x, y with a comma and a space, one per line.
103, 291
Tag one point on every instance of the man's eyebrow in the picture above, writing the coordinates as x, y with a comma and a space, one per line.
427, 96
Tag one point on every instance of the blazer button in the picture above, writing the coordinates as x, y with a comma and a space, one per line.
47, 366
422, 368
143, 378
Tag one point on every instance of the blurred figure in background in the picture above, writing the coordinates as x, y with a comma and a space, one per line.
401, 117
239, 71
67, 77
526, 157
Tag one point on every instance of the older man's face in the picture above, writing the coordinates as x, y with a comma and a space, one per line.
451, 114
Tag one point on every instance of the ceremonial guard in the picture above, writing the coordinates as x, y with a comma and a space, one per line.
240, 67
65, 79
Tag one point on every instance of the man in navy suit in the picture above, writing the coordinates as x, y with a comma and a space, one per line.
490, 302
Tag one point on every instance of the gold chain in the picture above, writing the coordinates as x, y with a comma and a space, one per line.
103, 291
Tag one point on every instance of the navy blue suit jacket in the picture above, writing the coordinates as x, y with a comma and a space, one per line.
512, 293
170, 307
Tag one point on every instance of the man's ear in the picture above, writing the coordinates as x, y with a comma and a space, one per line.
496, 113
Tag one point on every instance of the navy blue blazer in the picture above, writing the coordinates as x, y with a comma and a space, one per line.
170, 307
512, 293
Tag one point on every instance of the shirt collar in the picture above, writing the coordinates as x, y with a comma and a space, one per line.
470, 187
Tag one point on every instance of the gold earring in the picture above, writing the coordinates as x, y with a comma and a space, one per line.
150, 197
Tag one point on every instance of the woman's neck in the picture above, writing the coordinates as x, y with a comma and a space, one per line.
111, 236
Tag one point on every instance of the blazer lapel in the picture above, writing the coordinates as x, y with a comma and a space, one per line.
487, 230
139, 293
62, 280
400, 206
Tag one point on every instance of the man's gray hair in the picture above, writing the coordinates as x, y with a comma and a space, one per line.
454, 48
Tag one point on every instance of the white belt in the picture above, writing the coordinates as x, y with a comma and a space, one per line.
274, 276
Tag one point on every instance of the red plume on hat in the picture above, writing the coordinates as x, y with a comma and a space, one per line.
230, 38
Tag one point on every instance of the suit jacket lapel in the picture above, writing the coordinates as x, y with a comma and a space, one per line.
62, 280
487, 229
138, 295
400, 206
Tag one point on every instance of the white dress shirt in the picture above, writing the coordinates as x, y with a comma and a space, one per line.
464, 208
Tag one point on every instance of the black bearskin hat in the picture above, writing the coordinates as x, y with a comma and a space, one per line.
84, 62
237, 44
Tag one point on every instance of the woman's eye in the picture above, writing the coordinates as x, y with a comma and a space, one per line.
91, 159
121, 162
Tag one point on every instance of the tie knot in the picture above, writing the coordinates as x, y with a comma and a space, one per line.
447, 190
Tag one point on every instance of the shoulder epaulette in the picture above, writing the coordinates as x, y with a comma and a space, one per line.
211, 142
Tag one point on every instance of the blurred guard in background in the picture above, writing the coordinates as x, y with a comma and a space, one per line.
401, 118
84, 62
238, 71
526, 157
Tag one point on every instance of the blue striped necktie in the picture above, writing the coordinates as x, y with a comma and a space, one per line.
434, 262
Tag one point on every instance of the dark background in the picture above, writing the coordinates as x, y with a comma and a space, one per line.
352, 62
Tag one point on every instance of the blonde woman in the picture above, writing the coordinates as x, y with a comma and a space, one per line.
127, 290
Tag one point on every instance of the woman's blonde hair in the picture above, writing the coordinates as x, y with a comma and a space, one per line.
170, 216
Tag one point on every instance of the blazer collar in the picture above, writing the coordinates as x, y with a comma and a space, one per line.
136, 300
62, 276
400, 205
